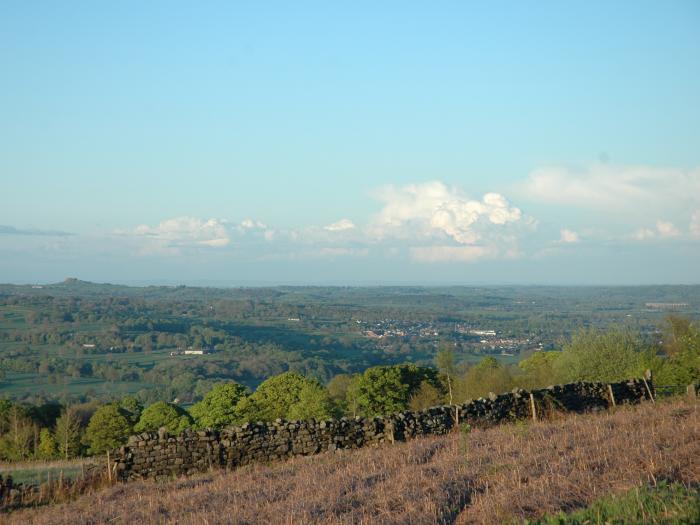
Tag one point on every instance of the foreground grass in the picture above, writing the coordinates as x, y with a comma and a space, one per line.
665, 503
504, 474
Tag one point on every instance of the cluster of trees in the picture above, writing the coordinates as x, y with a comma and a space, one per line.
50, 430
594, 355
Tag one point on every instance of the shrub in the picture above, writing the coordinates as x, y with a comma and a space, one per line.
109, 428
288, 396
219, 407
161, 414
47, 448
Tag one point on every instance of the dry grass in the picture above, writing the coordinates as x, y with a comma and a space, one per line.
487, 476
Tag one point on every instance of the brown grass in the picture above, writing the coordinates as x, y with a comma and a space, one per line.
488, 476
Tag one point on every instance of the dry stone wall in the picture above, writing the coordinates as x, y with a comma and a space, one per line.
161, 456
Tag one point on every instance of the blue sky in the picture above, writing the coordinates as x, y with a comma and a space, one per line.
460, 142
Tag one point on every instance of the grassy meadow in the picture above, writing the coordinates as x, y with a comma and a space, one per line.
505, 474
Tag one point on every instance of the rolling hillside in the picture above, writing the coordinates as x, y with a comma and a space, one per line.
503, 474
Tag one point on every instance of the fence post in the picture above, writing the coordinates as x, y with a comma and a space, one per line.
533, 409
109, 469
612, 396
651, 396
691, 391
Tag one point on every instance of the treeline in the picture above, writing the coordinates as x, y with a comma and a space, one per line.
49, 430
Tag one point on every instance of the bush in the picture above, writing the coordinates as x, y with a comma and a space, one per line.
161, 414
289, 396
109, 428
219, 407
387, 389
47, 448
607, 356
487, 376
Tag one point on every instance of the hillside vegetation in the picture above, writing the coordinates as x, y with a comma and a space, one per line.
503, 474
49, 430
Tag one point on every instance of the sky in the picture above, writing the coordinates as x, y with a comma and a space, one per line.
350, 142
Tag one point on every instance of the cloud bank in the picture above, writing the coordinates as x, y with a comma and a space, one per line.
180, 233
615, 188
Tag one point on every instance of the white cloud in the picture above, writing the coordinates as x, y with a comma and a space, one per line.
666, 229
642, 234
568, 236
250, 224
616, 188
341, 225
171, 234
434, 210
431, 254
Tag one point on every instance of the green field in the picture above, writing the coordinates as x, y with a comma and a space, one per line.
36, 472
18, 384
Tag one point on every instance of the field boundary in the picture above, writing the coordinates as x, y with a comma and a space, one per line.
160, 456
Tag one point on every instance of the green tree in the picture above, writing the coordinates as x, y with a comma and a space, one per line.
387, 389
219, 406
47, 449
133, 407
675, 334
161, 414
487, 376
109, 428
445, 361
539, 370
595, 355
314, 403
678, 362
275, 397
67, 433
338, 391
425, 397
352, 396
17, 438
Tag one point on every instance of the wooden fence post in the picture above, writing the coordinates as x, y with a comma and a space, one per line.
612, 396
109, 469
691, 391
651, 396
533, 409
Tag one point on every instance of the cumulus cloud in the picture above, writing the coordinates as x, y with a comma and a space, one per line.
434, 210
339, 226
181, 232
568, 236
667, 229
642, 234
250, 224
616, 188
663, 230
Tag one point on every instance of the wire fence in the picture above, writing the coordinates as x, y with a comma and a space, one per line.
670, 390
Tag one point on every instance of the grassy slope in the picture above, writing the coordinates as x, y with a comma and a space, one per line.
504, 474
663, 503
